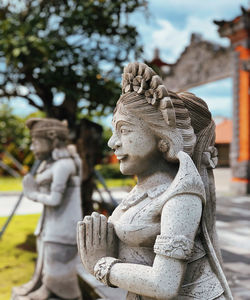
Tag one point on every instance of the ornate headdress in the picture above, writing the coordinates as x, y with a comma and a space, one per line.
139, 78
48, 128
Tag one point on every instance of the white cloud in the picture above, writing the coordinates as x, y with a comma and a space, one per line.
171, 23
169, 40
172, 41
222, 9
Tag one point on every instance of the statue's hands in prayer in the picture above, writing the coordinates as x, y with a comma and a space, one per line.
29, 186
95, 239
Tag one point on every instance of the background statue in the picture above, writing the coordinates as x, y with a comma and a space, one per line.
57, 187
160, 242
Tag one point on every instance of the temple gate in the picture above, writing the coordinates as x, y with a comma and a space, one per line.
203, 62
238, 31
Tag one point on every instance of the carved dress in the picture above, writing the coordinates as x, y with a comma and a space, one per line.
58, 183
138, 225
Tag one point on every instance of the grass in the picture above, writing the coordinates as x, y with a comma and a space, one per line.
10, 184
16, 264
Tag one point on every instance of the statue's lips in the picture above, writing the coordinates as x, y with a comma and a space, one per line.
121, 157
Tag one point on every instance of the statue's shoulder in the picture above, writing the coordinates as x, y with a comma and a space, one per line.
187, 179
61, 155
63, 161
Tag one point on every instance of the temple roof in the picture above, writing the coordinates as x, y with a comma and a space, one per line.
237, 28
156, 61
224, 132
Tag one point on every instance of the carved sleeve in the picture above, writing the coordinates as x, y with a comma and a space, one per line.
180, 221
179, 246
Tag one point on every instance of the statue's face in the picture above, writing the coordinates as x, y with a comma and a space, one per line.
41, 148
134, 144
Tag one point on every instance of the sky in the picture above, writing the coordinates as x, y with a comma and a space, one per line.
168, 25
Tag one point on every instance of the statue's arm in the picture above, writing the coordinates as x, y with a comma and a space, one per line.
60, 175
180, 218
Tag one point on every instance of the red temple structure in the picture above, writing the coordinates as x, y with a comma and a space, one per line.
238, 31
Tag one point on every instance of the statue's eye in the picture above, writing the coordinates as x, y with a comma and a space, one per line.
124, 130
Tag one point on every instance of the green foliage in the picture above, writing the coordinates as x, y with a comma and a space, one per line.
12, 129
110, 171
15, 139
16, 264
107, 132
119, 183
10, 184
73, 49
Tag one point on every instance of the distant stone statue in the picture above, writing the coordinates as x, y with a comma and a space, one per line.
57, 187
160, 242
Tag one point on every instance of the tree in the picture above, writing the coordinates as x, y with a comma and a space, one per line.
66, 48
64, 56
14, 142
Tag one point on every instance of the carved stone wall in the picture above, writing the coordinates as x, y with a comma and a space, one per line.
200, 63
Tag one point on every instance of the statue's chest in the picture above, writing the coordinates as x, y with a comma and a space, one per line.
44, 178
139, 225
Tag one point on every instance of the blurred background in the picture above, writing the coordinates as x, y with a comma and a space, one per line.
64, 59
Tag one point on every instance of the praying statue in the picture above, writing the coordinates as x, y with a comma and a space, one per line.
160, 242
57, 186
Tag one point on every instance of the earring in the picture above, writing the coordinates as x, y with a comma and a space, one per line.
163, 146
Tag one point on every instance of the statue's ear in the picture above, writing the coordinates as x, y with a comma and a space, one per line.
163, 146
170, 146
51, 134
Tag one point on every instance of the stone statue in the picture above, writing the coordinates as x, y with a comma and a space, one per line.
160, 242
57, 187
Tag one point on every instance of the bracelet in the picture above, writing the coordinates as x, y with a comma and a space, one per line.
103, 267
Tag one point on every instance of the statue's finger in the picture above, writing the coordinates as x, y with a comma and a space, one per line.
96, 228
110, 236
81, 240
95, 214
79, 237
89, 231
103, 231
